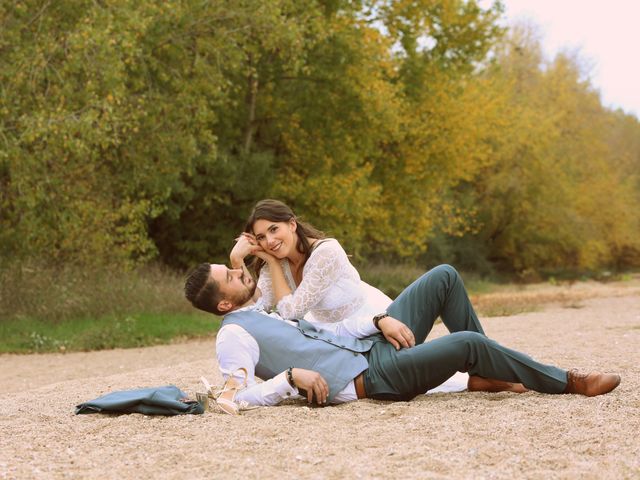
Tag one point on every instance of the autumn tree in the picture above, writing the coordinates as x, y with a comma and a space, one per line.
551, 198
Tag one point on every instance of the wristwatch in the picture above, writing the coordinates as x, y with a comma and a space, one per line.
290, 377
377, 319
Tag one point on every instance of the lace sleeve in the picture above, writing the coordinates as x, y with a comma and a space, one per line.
325, 265
265, 285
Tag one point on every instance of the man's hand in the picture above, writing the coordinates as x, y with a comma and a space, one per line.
313, 383
397, 333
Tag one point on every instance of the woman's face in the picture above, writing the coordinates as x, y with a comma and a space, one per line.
277, 238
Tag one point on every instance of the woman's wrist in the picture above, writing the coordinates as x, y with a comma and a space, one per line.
236, 262
271, 260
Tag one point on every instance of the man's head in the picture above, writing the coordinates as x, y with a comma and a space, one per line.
218, 289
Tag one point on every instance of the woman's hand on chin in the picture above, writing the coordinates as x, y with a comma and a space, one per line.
267, 257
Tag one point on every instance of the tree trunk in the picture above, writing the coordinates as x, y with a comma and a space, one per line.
252, 95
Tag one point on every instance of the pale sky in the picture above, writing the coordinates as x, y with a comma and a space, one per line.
607, 33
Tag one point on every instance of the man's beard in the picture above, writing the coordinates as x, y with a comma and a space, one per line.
244, 297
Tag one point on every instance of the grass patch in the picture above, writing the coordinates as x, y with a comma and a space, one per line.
497, 296
504, 306
512, 299
69, 308
136, 330
392, 279
69, 292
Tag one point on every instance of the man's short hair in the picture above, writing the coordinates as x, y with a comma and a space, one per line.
203, 291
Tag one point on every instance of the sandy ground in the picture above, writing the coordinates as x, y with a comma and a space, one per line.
445, 435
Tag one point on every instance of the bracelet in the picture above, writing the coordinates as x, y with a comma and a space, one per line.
290, 377
377, 318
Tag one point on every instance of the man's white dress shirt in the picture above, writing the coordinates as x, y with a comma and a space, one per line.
236, 348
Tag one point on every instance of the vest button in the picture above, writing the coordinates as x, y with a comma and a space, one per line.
329, 340
314, 336
355, 354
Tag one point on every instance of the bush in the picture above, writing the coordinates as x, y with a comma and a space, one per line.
53, 294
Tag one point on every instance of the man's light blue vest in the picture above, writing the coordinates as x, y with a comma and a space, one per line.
338, 359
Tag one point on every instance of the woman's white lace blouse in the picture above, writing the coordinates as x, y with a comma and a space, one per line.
330, 290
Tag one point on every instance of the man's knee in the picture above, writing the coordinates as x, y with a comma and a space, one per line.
469, 338
444, 271
469, 345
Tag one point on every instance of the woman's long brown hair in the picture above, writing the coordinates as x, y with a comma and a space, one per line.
277, 211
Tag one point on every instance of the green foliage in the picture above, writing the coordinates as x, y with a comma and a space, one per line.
133, 130
97, 130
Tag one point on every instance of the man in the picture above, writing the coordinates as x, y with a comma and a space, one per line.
297, 357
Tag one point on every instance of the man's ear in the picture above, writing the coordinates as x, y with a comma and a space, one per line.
225, 305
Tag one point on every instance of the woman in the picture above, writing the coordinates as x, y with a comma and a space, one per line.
301, 273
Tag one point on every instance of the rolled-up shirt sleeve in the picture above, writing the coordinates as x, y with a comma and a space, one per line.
356, 326
236, 349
